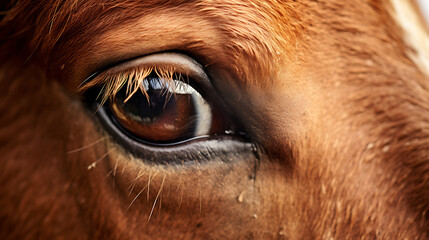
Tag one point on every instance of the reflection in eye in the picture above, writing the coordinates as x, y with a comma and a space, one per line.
164, 111
154, 101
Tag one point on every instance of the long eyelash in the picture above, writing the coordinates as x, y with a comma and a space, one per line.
133, 80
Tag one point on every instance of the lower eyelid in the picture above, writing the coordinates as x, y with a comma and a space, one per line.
203, 149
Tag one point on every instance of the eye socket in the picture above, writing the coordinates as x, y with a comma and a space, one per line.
161, 100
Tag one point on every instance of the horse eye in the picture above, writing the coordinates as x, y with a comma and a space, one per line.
161, 102
165, 111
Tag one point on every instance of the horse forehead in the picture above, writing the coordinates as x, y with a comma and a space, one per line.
260, 36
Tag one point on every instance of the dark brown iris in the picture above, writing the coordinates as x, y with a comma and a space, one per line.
167, 114
161, 116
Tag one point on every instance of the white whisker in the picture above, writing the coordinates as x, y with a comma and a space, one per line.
133, 182
159, 192
135, 198
86, 146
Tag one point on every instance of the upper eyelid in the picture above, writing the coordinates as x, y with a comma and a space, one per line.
177, 62
154, 59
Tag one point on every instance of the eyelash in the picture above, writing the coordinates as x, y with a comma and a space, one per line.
109, 84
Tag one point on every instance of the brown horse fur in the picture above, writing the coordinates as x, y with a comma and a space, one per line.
326, 90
